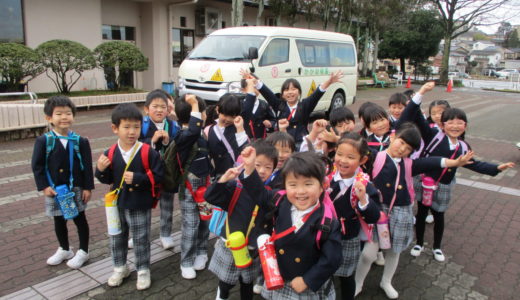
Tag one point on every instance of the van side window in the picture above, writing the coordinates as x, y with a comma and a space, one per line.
276, 52
325, 54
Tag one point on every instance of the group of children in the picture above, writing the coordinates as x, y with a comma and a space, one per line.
316, 194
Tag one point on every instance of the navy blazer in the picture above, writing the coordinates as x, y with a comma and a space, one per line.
137, 195
187, 137
301, 117
385, 180
218, 152
59, 166
173, 130
255, 121
220, 194
297, 253
412, 113
347, 215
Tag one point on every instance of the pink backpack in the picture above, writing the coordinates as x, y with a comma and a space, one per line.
329, 213
437, 139
380, 162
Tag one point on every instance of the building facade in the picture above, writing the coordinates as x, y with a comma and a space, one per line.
164, 30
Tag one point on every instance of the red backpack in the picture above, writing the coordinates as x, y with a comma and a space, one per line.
145, 155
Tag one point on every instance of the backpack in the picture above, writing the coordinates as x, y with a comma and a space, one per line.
172, 132
173, 176
145, 155
380, 162
437, 139
50, 142
329, 213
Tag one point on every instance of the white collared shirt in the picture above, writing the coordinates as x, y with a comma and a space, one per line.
63, 141
127, 154
241, 137
298, 215
160, 126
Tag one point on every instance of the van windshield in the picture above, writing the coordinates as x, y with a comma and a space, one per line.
226, 47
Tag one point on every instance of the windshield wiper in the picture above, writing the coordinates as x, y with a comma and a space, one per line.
204, 58
234, 59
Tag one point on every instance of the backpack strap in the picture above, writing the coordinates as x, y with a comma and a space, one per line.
145, 153
325, 227
378, 164
75, 139
409, 178
174, 129
437, 139
146, 125
111, 151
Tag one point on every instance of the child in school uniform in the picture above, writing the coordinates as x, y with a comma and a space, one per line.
52, 169
445, 141
285, 146
377, 128
306, 263
135, 198
364, 132
259, 118
396, 105
243, 215
342, 120
194, 238
158, 131
291, 108
225, 132
356, 203
395, 184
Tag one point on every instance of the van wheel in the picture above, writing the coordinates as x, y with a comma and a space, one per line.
338, 100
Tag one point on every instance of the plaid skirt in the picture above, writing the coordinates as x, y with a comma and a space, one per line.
351, 250
223, 266
401, 227
441, 196
287, 293
52, 209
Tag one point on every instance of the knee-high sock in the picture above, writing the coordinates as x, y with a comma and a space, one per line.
438, 229
391, 262
368, 256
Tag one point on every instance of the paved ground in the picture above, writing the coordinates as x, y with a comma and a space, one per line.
482, 238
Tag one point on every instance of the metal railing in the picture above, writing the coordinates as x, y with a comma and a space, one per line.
33, 95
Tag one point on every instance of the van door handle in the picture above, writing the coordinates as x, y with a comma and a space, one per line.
287, 70
299, 71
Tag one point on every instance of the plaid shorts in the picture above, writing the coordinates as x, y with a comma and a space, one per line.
286, 293
351, 251
222, 264
401, 227
52, 209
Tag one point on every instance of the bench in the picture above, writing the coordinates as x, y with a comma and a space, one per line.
382, 78
101, 100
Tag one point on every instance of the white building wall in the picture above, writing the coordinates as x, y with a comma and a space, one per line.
75, 20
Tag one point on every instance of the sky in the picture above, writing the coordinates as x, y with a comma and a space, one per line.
510, 12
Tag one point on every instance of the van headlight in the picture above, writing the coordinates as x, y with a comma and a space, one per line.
182, 83
234, 87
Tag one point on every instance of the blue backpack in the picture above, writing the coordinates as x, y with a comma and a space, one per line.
171, 131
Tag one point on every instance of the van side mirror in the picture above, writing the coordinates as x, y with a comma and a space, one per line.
253, 53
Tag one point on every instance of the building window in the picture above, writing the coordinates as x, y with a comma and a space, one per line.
183, 21
11, 21
182, 43
119, 33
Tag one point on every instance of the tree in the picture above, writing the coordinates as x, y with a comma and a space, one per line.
118, 57
18, 63
237, 12
457, 17
67, 60
512, 40
408, 40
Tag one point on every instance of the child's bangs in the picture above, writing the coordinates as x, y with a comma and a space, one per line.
304, 164
452, 114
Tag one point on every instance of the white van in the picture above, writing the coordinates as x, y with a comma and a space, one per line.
274, 54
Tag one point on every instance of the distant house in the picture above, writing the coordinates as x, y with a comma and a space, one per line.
481, 45
488, 57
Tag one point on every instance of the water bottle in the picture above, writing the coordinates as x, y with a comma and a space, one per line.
267, 253
429, 187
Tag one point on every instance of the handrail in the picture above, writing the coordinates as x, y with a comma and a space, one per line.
33, 95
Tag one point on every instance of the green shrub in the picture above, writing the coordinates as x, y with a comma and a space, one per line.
66, 60
118, 57
18, 65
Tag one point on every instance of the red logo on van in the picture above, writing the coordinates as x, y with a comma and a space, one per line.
204, 68
274, 72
